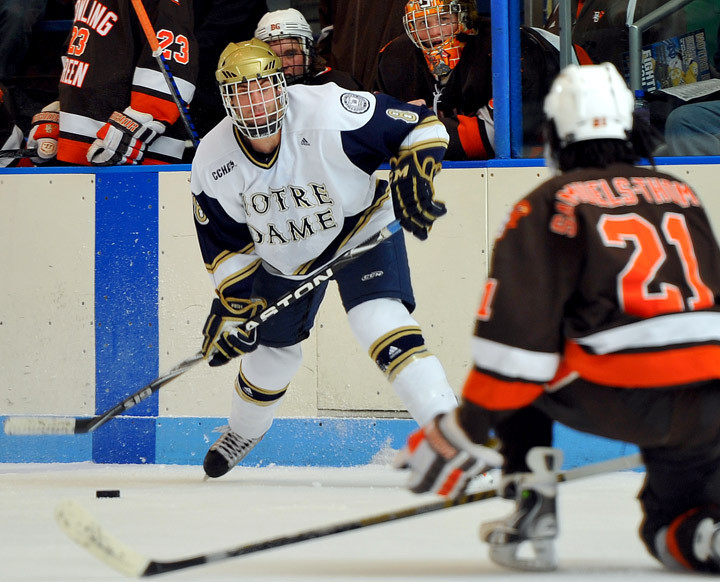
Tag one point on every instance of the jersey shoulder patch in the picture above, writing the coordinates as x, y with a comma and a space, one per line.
354, 102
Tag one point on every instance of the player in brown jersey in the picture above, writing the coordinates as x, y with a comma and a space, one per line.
114, 105
601, 312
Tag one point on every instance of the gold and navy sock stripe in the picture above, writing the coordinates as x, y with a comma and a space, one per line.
256, 395
398, 348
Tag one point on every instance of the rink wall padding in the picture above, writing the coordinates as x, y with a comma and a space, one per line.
104, 289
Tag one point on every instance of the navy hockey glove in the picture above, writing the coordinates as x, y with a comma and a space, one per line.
124, 138
413, 193
224, 337
442, 458
44, 133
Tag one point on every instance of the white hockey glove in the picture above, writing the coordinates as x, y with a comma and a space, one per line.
44, 133
413, 192
442, 458
124, 138
224, 337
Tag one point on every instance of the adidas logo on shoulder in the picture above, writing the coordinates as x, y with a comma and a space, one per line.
304, 142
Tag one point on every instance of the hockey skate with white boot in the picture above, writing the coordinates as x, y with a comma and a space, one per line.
532, 527
227, 451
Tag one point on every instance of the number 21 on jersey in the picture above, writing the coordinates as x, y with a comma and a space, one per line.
633, 282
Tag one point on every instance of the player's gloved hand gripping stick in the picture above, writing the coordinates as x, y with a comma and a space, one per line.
29, 425
442, 458
413, 193
224, 332
44, 133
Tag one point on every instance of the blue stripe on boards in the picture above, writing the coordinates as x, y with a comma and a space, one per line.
324, 442
312, 442
126, 313
44, 449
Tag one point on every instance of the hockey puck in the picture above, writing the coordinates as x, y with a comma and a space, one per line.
107, 493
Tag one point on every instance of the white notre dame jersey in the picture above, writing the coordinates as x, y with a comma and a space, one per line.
316, 195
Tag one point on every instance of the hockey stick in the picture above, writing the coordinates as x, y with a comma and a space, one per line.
87, 532
36, 425
31, 153
165, 70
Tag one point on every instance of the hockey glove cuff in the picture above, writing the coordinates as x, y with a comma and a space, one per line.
413, 192
224, 336
44, 133
124, 138
442, 458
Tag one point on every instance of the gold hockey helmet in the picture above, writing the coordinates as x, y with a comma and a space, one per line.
252, 87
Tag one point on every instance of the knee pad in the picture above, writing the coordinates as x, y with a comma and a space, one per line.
692, 540
386, 329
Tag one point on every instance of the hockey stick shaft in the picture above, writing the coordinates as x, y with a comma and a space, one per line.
74, 425
165, 70
31, 153
82, 527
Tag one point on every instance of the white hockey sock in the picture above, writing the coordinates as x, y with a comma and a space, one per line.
251, 420
424, 389
267, 371
421, 384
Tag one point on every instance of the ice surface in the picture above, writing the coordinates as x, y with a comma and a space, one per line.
169, 512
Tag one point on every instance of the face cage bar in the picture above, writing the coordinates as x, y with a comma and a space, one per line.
269, 98
294, 73
416, 22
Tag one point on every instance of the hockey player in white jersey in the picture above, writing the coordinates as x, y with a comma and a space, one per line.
282, 185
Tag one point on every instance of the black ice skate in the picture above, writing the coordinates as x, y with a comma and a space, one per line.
706, 542
533, 526
695, 541
227, 452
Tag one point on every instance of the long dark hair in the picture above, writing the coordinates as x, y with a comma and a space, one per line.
599, 153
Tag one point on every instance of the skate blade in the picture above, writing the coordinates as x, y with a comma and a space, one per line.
514, 555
